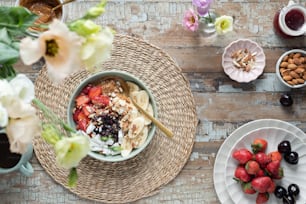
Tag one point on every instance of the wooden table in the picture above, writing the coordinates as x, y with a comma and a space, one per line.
222, 104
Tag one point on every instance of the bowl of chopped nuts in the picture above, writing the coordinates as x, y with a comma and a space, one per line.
291, 68
243, 60
101, 107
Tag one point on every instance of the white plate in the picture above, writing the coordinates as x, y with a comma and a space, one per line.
219, 166
292, 173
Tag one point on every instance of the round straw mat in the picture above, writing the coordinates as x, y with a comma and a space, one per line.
162, 160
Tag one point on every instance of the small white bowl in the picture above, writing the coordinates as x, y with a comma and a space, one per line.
238, 74
279, 61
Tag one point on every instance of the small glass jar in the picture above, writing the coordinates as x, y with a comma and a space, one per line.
207, 23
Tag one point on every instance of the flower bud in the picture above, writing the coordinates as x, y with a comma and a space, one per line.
84, 27
50, 134
94, 12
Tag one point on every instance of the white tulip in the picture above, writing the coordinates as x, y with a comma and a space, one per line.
23, 87
21, 131
6, 92
3, 116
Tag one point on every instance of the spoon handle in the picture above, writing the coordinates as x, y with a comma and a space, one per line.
163, 128
61, 4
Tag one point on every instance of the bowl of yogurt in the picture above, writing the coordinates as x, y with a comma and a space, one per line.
100, 107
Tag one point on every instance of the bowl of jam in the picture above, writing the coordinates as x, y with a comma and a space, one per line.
43, 9
290, 21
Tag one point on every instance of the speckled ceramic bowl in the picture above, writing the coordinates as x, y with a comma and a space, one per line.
128, 77
239, 74
302, 66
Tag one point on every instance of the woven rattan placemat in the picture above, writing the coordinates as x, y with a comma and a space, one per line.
162, 160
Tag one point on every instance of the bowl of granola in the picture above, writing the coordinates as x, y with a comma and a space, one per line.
243, 60
102, 108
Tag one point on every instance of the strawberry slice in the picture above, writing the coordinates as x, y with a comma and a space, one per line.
76, 114
82, 100
101, 100
86, 89
82, 124
87, 109
94, 92
81, 116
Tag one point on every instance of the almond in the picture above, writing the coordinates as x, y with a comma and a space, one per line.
285, 59
291, 83
287, 78
299, 70
291, 66
301, 81
296, 55
294, 75
297, 61
284, 64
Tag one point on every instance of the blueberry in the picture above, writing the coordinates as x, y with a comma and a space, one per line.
292, 157
286, 100
293, 189
280, 192
284, 147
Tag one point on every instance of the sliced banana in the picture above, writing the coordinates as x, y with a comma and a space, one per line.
150, 111
132, 86
142, 137
126, 147
141, 98
136, 127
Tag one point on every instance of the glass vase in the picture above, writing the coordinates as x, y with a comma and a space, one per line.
207, 23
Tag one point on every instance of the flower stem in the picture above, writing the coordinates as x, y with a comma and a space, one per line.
50, 115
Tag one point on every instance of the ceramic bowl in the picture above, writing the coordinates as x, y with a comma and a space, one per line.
292, 173
283, 68
128, 77
41, 7
240, 74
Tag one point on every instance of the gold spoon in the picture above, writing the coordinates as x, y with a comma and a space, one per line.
61, 4
126, 92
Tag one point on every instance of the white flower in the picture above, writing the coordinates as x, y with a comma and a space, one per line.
21, 131
6, 92
97, 48
224, 24
3, 116
24, 88
19, 109
59, 47
71, 150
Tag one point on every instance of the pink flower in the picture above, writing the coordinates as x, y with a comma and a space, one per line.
191, 20
203, 6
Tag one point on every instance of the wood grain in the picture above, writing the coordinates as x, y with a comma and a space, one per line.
222, 105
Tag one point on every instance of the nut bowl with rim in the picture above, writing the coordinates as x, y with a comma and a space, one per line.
290, 68
43, 9
102, 108
243, 60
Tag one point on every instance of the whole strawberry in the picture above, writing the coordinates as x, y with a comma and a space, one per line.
241, 174
252, 167
259, 145
275, 156
260, 173
247, 188
262, 184
242, 155
262, 198
272, 187
262, 158
274, 169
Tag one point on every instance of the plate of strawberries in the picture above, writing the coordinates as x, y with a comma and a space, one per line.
267, 165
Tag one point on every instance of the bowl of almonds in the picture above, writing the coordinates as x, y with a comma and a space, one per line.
243, 60
291, 68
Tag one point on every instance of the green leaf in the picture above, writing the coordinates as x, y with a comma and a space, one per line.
73, 177
16, 19
7, 72
8, 55
4, 36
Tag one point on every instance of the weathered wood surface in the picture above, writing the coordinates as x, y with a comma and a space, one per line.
222, 104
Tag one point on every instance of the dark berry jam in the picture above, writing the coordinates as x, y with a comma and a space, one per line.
294, 19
